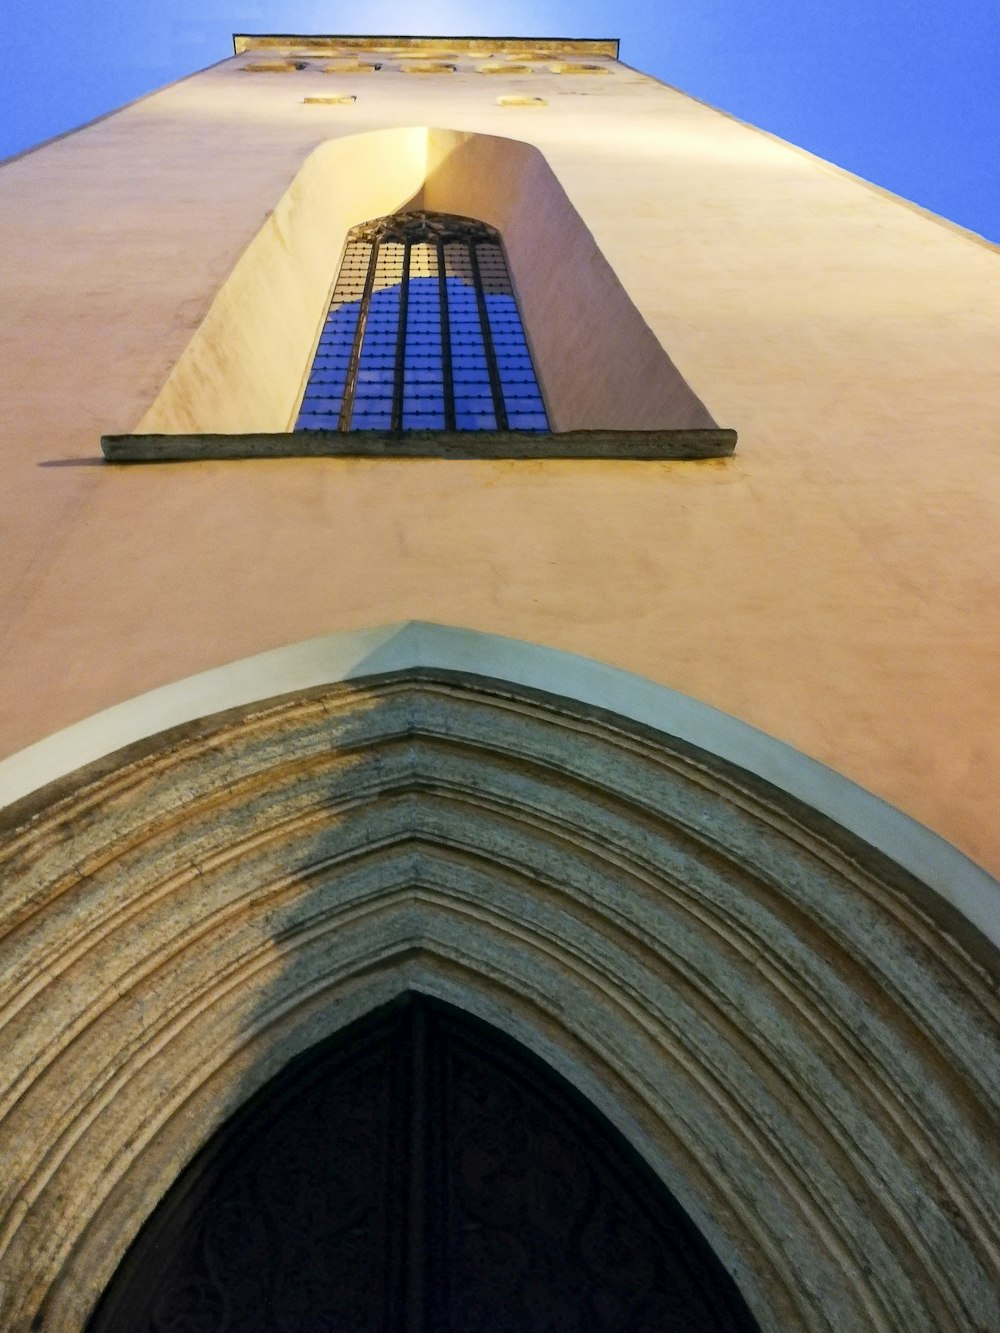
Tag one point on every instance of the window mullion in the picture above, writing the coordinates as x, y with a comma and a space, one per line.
447, 374
499, 410
399, 378
351, 379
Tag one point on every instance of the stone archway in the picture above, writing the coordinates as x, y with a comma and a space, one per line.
759, 1002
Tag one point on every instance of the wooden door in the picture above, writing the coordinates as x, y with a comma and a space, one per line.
419, 1173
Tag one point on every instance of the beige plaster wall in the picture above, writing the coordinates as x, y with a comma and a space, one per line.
835, 584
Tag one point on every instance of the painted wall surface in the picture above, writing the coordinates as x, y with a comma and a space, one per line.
836, 584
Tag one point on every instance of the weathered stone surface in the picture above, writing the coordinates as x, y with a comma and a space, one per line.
762, 1005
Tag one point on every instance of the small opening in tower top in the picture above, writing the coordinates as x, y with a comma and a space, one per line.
427, 67
350, 67
571, 67
503, 69
423, 333
275, 66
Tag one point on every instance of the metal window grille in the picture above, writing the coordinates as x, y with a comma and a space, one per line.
423, 333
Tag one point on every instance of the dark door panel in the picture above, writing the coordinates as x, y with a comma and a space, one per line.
419, 1173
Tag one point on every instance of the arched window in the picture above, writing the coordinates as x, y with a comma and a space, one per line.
423, 333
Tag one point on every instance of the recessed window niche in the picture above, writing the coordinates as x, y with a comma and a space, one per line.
601, 365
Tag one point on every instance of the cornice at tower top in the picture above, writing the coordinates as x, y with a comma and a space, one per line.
544, 48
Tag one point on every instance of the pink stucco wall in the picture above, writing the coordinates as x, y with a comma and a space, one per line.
836, 584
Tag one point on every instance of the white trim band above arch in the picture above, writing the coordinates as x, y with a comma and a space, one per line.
352, 655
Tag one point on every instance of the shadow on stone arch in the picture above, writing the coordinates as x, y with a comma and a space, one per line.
770, 1013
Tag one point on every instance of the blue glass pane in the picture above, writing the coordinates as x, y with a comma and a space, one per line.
325, 387
483, 404
431, 421
310, 421
371, 416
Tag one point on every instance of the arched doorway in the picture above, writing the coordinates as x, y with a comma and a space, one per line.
419, 1172
785, 1025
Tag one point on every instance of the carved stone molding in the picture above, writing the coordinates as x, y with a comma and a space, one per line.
761, 1004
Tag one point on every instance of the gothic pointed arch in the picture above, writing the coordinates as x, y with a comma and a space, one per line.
790, 1030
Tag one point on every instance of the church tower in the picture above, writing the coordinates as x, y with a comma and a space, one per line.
498, 766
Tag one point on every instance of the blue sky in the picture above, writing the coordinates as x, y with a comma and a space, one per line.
906, 94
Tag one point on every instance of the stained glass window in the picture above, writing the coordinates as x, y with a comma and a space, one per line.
423, 333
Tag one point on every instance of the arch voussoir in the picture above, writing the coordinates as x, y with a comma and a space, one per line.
733, 986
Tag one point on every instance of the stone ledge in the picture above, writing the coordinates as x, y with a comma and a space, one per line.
632, 445
542, 47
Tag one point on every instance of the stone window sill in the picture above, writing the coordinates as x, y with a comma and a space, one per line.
631, 445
